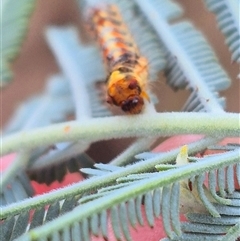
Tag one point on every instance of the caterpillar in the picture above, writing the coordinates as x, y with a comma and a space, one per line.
127, 69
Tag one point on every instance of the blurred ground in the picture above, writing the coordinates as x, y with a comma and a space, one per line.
36, 62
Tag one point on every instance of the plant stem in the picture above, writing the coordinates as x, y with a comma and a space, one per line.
233, 233
152, 125
64, 46
140, 145
97, 182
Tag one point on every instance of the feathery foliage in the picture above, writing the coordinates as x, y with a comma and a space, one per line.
138, 186
14, 23
227, 13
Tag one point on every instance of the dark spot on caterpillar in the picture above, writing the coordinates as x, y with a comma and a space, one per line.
124, 70
123, 58
114, 21
131, 62
190, 186
132, 105
109, 58
134, 85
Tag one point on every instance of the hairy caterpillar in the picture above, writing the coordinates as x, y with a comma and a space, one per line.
128, 70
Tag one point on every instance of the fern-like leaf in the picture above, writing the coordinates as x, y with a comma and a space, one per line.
142, 190
79, 70
189, 56
15, 227
17, 189
52, 106
200, 226
14, 24
47, 173
227, 12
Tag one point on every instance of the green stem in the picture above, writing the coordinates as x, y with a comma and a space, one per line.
59, 40
233, 233
98, 182
151, 125
140, 145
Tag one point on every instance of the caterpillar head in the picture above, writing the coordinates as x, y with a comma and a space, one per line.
127, 94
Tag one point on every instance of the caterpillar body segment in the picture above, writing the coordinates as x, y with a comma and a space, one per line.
128, 70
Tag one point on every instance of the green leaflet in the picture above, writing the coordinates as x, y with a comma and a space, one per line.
227, 14
14, 23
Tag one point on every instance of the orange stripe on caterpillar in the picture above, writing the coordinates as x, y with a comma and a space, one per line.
128, 70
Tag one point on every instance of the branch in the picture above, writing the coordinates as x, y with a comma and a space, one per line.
98, 182
152, 125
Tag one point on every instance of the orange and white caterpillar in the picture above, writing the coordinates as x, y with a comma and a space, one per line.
128, 70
